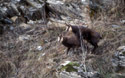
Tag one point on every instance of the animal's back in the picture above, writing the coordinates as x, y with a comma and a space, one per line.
66, 42
71, 41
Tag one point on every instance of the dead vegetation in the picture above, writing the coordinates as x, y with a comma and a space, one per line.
20, 58
35, 64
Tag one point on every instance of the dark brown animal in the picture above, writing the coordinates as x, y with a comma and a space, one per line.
89, 35
70, 41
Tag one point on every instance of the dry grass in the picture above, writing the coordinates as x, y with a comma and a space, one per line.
31, 63
20, 59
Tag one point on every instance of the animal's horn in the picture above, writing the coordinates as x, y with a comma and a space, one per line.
68, 26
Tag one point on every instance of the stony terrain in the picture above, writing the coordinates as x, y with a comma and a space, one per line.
31, 50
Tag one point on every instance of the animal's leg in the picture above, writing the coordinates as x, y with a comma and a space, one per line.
73, 50
95, 46
77, 50
68, 50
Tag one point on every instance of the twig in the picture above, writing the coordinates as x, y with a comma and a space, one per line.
83, 50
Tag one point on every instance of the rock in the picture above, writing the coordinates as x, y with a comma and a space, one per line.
91, 75
118, 60
65, 63
115, 26
24, 37
3, 10
121, 48
39, 48
24, 25
14, 18
65, 74
6, 21
43, 54
39, 21
75, 70
115, 62
15, 1
14, 9
84, 2
20, 20
11, 28
55, 2
30, 22
69, 75
31, 13
34, 3
123, 21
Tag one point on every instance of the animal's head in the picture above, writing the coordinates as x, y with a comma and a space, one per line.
68, 27
63, 36
60, 38
72, 28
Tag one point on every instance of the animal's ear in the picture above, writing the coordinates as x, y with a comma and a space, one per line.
61, 39
70, 29
67, 28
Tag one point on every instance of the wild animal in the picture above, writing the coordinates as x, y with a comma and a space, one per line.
88, 34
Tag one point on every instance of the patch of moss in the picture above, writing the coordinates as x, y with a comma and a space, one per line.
74, 64
108, 75
70, 67
123, 41
123, 52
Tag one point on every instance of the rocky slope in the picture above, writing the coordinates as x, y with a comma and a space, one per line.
29, 49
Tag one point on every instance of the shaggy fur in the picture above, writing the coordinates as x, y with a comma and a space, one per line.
90, 35
70, 41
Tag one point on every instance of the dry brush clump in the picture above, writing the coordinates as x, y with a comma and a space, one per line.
104, 10
7, 67
112, 39
42, 64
